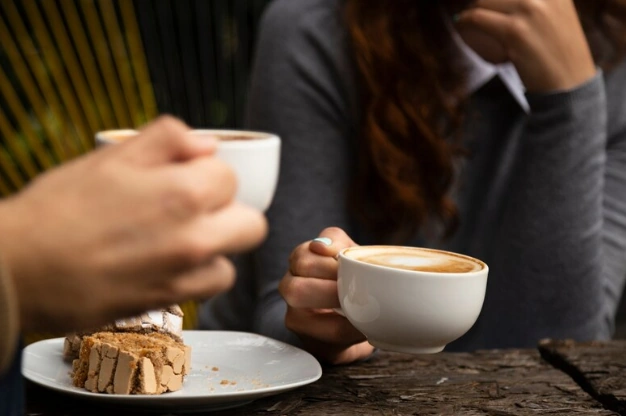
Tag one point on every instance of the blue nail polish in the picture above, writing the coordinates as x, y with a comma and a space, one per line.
324, 240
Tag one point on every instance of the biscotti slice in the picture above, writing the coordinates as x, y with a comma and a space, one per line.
167, 321
131, 363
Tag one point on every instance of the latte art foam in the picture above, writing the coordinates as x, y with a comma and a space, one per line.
416, 259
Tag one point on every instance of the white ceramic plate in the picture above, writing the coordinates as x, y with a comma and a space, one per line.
228, 369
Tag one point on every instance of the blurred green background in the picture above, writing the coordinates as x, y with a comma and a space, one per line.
69, 68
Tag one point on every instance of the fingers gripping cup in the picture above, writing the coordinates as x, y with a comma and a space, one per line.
410, 299
254, 156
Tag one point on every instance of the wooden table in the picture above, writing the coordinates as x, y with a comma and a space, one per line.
557, 378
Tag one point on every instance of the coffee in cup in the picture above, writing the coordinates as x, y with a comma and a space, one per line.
410, 299
424, 260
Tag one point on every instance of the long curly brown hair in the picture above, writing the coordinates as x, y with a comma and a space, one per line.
412, 89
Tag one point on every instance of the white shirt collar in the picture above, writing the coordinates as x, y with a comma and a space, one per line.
481, 71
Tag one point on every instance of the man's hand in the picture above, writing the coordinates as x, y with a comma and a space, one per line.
127, 228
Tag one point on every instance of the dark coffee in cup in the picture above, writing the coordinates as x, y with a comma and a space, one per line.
237, 138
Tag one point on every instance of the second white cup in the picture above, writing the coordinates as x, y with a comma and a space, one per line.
254, 156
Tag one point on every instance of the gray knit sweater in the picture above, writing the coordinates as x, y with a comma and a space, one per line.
542, 199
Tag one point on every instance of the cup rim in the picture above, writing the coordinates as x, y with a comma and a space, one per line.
261, 138
484, 269
102, 134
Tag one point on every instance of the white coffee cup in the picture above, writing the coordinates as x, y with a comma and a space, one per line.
410, 299
254, 156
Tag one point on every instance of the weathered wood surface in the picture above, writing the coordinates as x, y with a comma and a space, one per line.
599, 367
511, 382
493, 383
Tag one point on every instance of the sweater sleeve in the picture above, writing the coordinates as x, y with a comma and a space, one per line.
562, 234
299, 90
9, 320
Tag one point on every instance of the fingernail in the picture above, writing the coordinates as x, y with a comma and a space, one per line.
324, 240
456, 17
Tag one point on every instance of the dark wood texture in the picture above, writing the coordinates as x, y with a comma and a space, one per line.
599, 367
512, 382
498, 383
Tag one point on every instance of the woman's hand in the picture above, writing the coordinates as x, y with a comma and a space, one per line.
542, 38
310, 290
